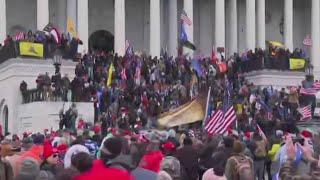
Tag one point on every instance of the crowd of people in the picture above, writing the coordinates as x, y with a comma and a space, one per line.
51, 42
130, 92
165, 155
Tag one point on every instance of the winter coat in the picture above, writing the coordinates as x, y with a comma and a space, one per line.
6, 172
151, 161
188, 158
210, 175
100, 172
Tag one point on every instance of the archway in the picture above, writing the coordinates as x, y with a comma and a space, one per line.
101, 40
5, 119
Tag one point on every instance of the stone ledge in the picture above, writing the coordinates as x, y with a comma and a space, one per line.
277, 79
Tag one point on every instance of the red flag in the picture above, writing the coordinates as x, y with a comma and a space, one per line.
214, 57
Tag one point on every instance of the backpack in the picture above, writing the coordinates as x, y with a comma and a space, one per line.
260, 150
243, 168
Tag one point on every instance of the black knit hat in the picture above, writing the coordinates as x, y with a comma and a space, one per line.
113, 145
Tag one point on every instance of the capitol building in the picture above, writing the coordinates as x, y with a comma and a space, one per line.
150, 26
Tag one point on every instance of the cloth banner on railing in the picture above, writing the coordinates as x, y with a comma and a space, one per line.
31, 49
297, 63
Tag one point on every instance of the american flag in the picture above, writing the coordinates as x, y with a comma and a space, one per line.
19, 36
316, 85
305, 112
308, 91
184, 18
222, 120
123, 74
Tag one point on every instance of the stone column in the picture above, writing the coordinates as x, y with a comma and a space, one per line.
233, 27
173, 28
220, 23
42, 13
288, 24
261, 24
119, 27
251, 25
3, 21
315, 33
188, 8
83, 25
155, 28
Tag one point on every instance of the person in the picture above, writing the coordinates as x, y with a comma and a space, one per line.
259, 151
152, 158
273, 165
137, 151
66, 88
82, 162
6, 171
106, 166
287, 170
188, 157
239, 166
24, 91
29, 170
73, 116
51, 159
170, 163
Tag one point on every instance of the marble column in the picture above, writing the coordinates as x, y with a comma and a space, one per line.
83, 25
250, 25
173, 28
42, 13
3, 21
261, 24
119, 27
220, 23
155, 28
315, 33
288, 24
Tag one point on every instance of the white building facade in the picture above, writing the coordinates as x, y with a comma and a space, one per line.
151, 25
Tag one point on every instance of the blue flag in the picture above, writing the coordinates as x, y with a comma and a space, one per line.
196, 66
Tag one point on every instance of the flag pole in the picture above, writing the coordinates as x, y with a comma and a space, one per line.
207, 106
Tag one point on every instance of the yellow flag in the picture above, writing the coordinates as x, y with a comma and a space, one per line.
31, 49
71, 27
110, 74
296, 63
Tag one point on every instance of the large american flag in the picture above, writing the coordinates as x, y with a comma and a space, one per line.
305, 112
223, 119
220, 122
308, 91
316, 85
184, 18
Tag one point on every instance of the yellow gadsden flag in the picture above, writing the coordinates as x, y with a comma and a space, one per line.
110, 74
31, 49
296, 63
71, 27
